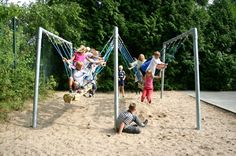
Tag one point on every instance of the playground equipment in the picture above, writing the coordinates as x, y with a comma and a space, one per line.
116, 90
116, 43
179, 38
42, 31
65, 49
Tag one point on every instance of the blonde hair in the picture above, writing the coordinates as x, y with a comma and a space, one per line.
95, 52
149, 71
157, 53
88, 48
82, 48
139, 57
120, 66
80, 64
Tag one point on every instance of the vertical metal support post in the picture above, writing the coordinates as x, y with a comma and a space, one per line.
197, 83
14, 40
116, 91
163, 70
71, 54
36, 87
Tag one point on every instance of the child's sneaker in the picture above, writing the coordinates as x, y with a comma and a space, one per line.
70, 90
142, 99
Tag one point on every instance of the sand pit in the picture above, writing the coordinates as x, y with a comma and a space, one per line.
85, 127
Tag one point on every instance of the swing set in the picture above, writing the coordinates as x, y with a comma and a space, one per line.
65, 50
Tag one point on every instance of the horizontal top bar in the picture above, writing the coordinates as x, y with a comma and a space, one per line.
49, 33
191, 31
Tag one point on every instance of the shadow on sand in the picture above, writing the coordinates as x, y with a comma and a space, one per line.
48, 112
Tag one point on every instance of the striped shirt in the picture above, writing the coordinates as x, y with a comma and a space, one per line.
121, 74
125, 117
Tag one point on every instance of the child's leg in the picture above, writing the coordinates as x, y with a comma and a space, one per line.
132, 129
123, 90
70, 83
119, 84
143, 95
149, 95
94, 88
76, 85
138, 121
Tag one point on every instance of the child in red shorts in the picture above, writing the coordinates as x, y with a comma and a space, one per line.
148, 87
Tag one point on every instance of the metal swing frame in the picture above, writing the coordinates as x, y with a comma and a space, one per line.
194, 33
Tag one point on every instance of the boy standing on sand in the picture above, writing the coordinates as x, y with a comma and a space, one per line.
125, 119
122, 76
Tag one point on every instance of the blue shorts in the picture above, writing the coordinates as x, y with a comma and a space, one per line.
121, 82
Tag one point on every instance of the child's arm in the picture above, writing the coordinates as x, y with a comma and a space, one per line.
122, 126
124, 76
68, 60
100, 61
90, 60
161, 66
100, 58
157, 77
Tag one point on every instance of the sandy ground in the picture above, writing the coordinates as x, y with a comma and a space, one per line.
85, 127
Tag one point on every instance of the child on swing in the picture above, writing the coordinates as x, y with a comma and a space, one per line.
93, 59
148, 86
153, 64
79, 56
77, 79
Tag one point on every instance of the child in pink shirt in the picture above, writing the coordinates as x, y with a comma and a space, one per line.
79, 56
148, 87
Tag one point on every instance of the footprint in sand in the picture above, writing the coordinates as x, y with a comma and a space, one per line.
162, 115
88, 126
81, 107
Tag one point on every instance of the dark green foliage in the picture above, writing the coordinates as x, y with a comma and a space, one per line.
218, 61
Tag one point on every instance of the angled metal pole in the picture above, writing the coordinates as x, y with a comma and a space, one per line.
197, 83
163, 70
53, 35
116, 91
36, 87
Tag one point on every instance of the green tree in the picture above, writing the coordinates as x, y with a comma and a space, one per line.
218, 63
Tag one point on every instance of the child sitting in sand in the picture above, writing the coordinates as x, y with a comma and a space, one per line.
124, 120
148, 86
